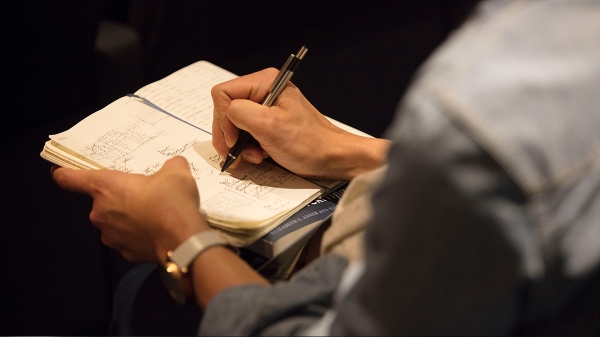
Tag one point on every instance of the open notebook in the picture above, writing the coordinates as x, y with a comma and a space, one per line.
173, 116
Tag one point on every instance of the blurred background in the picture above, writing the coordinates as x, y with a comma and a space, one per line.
62, 60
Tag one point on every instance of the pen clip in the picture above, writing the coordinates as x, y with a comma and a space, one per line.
282, 72
287, 70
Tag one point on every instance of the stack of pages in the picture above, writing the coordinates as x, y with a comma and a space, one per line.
173, 116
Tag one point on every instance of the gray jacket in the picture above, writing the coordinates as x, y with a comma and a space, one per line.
488, 219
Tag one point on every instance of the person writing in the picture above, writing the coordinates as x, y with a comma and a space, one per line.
485, 221
293, 132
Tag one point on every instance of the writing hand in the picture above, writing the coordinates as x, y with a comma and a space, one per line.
142, 217
293, 132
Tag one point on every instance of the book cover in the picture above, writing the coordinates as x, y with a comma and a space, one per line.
297, 227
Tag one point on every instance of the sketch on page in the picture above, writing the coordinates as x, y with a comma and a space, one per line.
186, 93
252, 190
132, 140
140, 140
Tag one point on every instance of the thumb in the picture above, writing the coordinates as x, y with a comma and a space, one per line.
79, 181
175, 164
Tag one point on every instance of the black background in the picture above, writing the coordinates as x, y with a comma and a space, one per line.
57, 278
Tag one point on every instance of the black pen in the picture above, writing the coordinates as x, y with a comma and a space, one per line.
284, 76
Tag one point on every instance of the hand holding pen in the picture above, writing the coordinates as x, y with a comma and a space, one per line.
283, 77
292, 132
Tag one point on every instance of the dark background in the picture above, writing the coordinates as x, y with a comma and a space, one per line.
62, 60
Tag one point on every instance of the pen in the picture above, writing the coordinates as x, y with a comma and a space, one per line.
284, 76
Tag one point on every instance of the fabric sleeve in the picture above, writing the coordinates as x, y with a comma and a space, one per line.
445, 248
286, 308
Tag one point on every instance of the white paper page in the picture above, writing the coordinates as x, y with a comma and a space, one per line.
130, 136
186, 92
58, 156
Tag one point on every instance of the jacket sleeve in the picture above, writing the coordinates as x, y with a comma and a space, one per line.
445, 247
286, 308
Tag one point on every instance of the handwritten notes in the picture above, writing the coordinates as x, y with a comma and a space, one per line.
132, 136
186, 93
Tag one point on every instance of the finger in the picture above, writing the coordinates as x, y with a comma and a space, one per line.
252, 117
54, 168
131, 256
230, 131
218, 142
177, 163
177, 170
109, 241
98, 218
218, 138
253, 153
79, 181
253, 87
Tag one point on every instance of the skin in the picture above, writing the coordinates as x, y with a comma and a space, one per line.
144, 217
292, 132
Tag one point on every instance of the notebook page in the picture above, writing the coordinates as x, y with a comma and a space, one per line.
130, 136
186, 92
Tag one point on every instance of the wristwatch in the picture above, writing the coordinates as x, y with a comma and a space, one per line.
174, 273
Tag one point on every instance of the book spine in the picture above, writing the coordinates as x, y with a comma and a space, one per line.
313, 212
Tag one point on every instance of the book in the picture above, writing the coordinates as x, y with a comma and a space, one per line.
275, 255
284, 245
294, 229
173, 116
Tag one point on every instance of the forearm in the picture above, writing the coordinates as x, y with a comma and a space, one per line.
215, 268
219, 268
351, 155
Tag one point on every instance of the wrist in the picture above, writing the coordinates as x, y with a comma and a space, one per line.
178, 230
352, 155
175, 272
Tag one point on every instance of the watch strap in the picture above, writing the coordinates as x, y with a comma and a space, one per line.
193, 246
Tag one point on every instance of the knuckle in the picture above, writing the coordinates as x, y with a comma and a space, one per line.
128, 256
97, 187
272, 71
216, 90
107, 241
96, 218
224, 121
269, 121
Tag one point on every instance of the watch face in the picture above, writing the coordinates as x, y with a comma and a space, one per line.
175, 282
